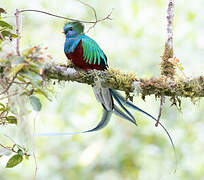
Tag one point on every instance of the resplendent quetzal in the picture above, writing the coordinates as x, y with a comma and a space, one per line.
86, 54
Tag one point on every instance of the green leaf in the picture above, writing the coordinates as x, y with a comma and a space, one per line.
20, 78
2, 105
16, 69
18, 60
35, 80
26, 157
32, 76
14, 160
5, 24
20, 152
34, 69
14, 35
1, 68
40, 91
35, 102
11, 119
6, 33
4, 60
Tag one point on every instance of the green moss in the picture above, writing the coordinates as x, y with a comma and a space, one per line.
167, 86
122, 80
167, 68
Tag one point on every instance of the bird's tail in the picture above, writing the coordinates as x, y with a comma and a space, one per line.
121, 100
125, 114
105, 96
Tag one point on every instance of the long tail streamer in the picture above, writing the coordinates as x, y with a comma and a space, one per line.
131, 105
125, 114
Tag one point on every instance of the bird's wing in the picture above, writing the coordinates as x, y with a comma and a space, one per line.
92, 53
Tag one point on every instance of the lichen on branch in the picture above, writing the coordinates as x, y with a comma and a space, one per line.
167, 68
126, 81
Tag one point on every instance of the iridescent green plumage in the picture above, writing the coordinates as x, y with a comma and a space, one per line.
92, 52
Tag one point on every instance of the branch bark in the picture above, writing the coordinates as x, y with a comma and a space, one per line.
167, 68
129, 82
18, 33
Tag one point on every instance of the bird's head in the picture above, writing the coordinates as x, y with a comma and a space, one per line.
73, 28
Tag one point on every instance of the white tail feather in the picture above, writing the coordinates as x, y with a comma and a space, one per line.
103, 95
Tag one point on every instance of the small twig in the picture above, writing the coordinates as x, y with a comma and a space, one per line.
89, 7
54, 15
95, 15
9, 138
62, 17
9, 95
17, 32
15, 82
107, 17
34, 156
2, 11
36, 166
4, 146
160, 110
2, 37
8, 148
9, 85
94, 11
170, 17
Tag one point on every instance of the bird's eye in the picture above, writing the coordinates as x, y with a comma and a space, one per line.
70, 28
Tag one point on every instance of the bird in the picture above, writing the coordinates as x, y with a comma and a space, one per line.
86, 54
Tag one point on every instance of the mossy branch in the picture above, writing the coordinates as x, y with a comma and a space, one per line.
167, 68
129, 82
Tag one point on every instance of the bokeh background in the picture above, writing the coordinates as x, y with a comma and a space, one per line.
133, 41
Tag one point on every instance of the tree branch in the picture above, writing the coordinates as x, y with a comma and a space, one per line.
167, 68
129, 82
63, 17
17, 32
170, 18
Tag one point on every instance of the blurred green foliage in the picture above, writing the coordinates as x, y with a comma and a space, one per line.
133, 41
